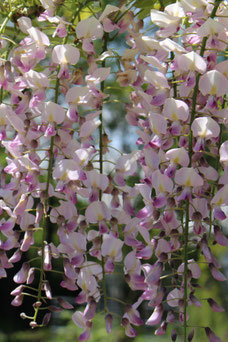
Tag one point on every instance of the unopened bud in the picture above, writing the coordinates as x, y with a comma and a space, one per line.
33, 324
108, 323
27, 123
54, 308
37, 304
23, 315
34, 144
173, 335
46, 319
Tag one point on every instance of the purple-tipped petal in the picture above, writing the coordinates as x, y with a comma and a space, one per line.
156, 316
211, 335
219, 237
214, 306
217, 275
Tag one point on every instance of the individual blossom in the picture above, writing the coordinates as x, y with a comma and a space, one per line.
163, 186
219, 200
213, 83
106, 16
204, 128
88, 277
176, 156
96, 182
88, 30
52, 112
40, 39
66, 170
98, 212
188, 178
166, 21
111, 248
65, 55
175, 110
37, 81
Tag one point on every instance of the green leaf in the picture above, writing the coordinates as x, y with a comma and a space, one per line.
144, 3
3, 156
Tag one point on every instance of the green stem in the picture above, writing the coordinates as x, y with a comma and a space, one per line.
190, 152
174, 83
161, 5
186, 230
101, 161
2, 28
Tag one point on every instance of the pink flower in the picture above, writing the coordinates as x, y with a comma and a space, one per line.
157, 79
213, 82
205, 127
97, 211
52, 112
191, 61
66, 170
188, 177
112, 247
89, 28
158, 123
175, 109
173, 297
65, 55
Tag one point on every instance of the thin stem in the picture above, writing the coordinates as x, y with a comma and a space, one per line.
117, 300
186, 229
174, 80
101, 161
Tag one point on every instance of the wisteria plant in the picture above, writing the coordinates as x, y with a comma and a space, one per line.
58, 198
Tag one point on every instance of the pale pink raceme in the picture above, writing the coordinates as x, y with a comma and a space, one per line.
159, 200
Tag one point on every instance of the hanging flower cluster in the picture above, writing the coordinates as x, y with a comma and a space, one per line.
51, 119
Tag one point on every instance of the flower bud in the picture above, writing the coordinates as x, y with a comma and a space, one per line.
108, 323
17, 301
33, 324
211, 335
64, 304
22, 275
173, 335
46, 319
214, 306
37, 304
